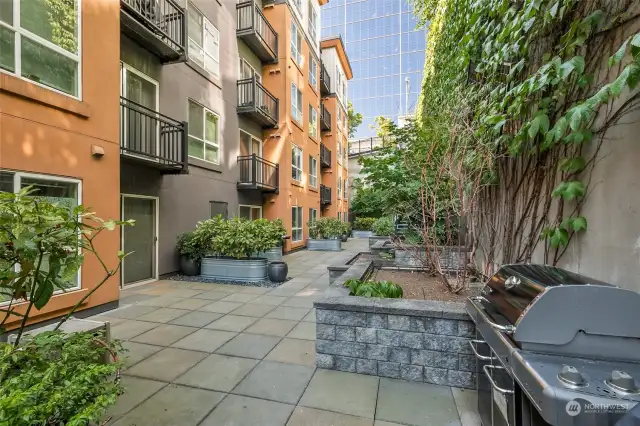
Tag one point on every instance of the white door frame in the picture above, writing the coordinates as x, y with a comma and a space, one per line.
157, 221
251, 206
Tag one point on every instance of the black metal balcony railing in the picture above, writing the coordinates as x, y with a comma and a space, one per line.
256, 31
258, 173
325, 81
257, 102
325, 156
325, 195
152, 138
325, 118
158, 25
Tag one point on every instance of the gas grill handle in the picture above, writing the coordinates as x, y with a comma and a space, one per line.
506, 329
497, 388
473, 344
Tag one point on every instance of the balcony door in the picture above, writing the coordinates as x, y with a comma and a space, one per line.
250, 145
141, 127
140, 240
247, 72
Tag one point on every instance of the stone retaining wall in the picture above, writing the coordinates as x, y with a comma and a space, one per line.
416, 340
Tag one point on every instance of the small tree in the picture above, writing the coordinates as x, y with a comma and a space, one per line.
355, 120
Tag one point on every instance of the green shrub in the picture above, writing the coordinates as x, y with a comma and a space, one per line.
381, 289
364, 223
346, 228
383, 226
190, 246
325, 228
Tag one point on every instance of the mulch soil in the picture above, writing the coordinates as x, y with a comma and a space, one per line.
423, 286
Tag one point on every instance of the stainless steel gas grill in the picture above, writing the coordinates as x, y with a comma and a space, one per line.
555, 348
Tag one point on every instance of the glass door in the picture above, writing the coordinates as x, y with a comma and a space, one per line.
139, 240
249, 145
140, 122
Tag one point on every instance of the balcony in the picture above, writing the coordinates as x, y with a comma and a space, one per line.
325, 118
256, 102
325, 157
325, 196
256, 173
148, 137
254, 29
160, 26
325, 81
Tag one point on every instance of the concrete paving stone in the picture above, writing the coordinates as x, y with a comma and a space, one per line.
173, 405
346, 393
310, 292
186, 292
135, 298
239, 297
304, 416
205, 340
253, 310
268, 299
196, 318
164, 335
311, 316
299, 302
163, 315
249, 345
232, 288
272, 327
383, 423
255, 290
131, 328
161, 301
157, 290
136, 352
230, 322
467, 405
131, 312
205, 286
294, 351
104, 318
283, 292
213, 295
218, 372
238, 410
221, 307
276, 381
190, 304
419, 404
288, 313
136, 391
167, 364
304, 330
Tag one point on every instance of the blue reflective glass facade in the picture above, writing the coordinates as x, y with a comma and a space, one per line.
384, 48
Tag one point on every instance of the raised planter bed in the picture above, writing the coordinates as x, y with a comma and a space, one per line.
273, 255
361, 234
375, 238
229, 269
324, 245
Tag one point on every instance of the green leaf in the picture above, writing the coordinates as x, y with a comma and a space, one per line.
617, 57
621, 82
43, 294
635, 40
572, 165
540, 124
110, 225
560, 237
579, 223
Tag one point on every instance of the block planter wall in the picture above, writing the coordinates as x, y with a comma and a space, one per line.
424, 341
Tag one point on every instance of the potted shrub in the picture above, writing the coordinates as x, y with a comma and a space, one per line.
324, 234
191, 254
346, 230
362, 227
275, 231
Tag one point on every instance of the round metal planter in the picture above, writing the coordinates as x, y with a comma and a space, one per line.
189, 267
344, 238
229, 269
277, 271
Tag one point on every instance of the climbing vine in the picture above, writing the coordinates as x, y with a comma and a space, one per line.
521, 94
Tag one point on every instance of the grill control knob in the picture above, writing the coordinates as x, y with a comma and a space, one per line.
570, 375
622, 382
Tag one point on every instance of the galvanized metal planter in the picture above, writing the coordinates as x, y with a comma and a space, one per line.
361, 234
324, 245
273, 255
229, 269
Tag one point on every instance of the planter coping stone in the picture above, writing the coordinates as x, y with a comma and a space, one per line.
420, 308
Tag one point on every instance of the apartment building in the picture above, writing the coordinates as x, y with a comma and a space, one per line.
336, 71
59, 86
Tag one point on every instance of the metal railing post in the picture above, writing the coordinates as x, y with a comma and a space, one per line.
254, 169
185, 147
253, 91
277, 177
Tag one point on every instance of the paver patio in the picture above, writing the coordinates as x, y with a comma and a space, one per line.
227, 355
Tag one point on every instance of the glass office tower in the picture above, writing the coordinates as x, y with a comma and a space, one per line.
386, 51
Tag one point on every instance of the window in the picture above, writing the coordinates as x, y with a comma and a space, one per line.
313, 171
313, 122
296, 224
313, 73
344, 188
39, 41
339, 215
298, 4
339, 152
296, 103
339, 186
203, 133
250, 212
313, 215
296, 43
339, 117
218, 208
204, 41
313, 21
338, 80
296, 163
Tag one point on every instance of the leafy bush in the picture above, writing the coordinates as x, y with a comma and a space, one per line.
188, 245
326, 228
383, 226
239, 238
364, 223
346, 228
56, 378
381, 289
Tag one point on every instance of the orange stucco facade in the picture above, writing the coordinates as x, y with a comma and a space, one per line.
47, 133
